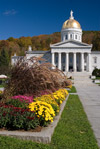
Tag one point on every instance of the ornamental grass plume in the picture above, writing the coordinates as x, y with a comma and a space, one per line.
31, 76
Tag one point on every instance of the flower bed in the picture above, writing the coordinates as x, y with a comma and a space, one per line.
26, 112
1, 94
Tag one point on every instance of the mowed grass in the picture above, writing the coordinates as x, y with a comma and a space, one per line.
98, 78
73, 90
72, 132
2, 85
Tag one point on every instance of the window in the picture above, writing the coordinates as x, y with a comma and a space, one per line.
70, 36
85, 68
95, 60
66, 37
75, 36
95, 67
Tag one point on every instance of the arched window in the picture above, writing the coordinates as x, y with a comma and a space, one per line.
75, 36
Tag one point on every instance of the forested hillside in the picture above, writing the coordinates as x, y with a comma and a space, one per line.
42, 42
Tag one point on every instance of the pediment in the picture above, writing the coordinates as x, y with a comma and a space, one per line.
70, 43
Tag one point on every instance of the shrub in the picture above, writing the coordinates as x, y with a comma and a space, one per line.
46, 106
17, 118
54, 99
31, 76
43, 110
1, 95
17, 103
22, 112
96, 72
23, 98
60, 95
68, 83
50, 100
1, 92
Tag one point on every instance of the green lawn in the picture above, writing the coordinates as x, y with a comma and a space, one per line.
1, 85
72, 132
73, 90
97, 78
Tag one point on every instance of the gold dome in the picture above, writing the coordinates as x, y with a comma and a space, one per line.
71, 23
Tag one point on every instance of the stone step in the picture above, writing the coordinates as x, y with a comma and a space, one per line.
78, 74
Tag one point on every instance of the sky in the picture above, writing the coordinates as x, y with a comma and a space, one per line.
35, 17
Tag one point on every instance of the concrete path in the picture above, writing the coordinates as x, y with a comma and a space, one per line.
89, 94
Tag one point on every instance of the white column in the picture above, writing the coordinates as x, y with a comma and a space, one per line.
87, 68
82, 62
59, 61
53, 59
74, 62
67, 62
89, 62
68, 36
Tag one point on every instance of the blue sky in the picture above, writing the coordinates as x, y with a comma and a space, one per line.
34, 17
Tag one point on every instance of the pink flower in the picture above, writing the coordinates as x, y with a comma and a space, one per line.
22, 98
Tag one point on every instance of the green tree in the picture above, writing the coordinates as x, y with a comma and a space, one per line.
4, 58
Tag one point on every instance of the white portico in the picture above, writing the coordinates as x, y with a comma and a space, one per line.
71, 53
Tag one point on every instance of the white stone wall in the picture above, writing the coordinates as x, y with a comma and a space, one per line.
14, 60
71, 34
93, 64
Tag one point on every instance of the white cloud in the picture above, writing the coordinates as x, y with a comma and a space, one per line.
10, 12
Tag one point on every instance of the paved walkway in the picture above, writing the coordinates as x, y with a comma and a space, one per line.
89, 94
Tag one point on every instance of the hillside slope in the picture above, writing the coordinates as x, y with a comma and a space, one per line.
42, 42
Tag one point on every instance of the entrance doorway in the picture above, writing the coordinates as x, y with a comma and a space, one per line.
70, 62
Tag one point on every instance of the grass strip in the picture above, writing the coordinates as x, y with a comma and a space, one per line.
98, 78
72, 132
13, 143
73, 90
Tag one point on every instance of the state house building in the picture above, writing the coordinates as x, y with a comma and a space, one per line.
71, 54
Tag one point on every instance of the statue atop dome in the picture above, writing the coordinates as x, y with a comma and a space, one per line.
71, 15
71, 23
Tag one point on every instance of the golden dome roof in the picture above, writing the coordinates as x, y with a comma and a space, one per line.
71, 23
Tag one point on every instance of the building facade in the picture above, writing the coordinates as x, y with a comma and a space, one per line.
71, 54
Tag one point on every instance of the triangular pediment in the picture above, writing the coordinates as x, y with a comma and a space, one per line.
70, 43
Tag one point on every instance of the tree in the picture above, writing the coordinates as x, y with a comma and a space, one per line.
96, 44
11, 39
4, 58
